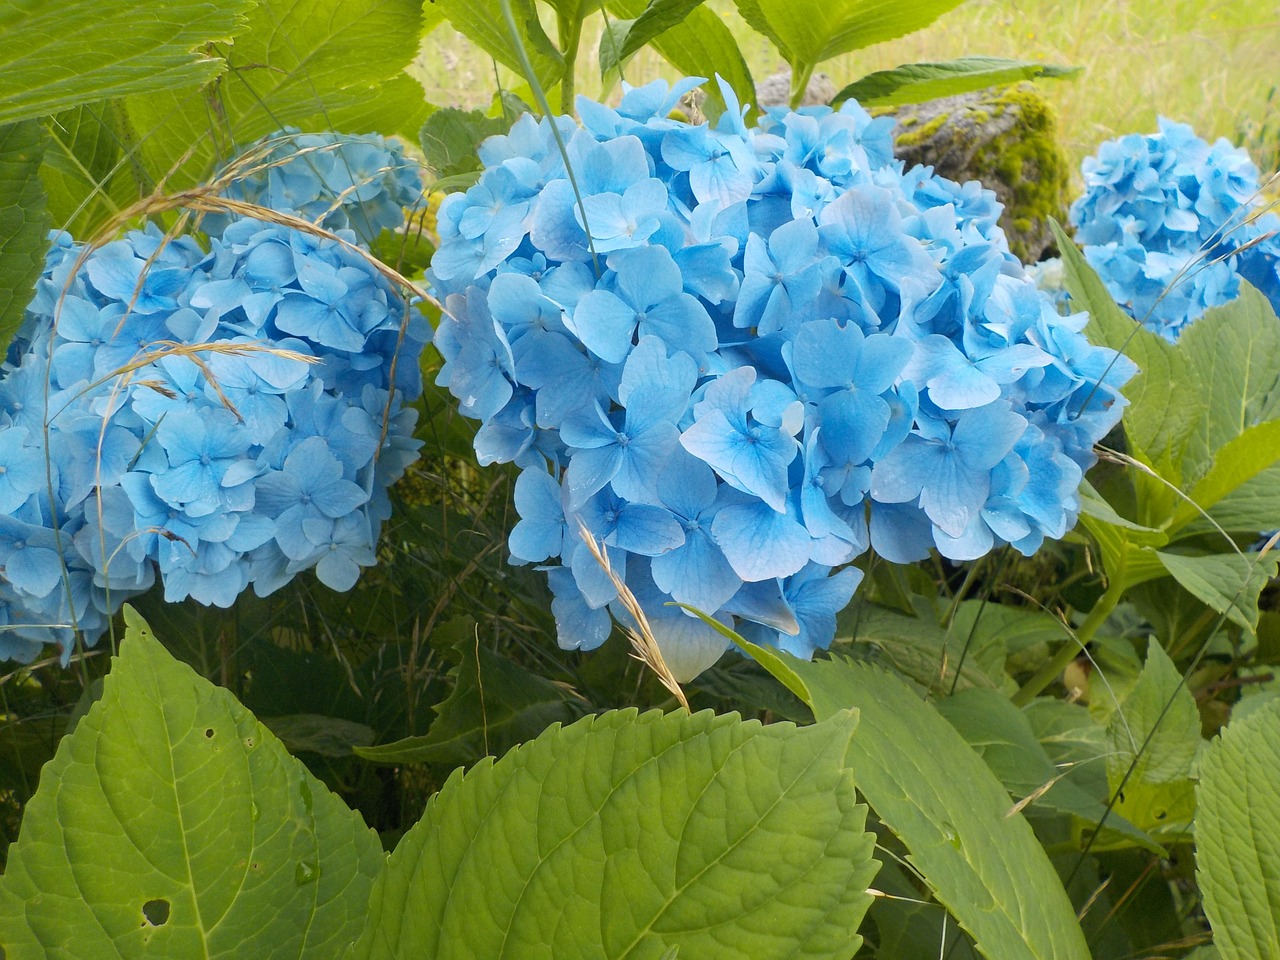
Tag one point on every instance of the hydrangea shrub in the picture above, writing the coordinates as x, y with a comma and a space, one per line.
1171, 224
219, 418
743, 356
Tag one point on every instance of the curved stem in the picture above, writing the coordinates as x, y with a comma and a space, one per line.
1071, 649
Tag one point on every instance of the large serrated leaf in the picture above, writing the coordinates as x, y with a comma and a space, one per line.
1238, 836
633, 836
982, 862
1235, 353
918, 82
807, 32
59, 55
1228, 582
1252, 506
1235, 463
321, 65
24, 222
172, 824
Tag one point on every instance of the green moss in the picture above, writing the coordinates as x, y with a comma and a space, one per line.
922, 133
1027, 159
1025, 163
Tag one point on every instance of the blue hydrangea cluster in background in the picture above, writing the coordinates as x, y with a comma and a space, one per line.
748, 355
1171, 224
337, 181
223, 418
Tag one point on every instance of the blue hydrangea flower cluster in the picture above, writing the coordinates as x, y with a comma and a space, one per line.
1171, 224
746, 356
222, 419
337, 181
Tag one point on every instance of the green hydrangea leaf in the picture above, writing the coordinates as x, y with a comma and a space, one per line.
1235, 352
482, 22
1250, 507
171, 823
981, 860
321, 65
1156, 732
1236, 462
918, 82
450, 137
1238, 836
806, 32
635, 836
658, 17
1002, 735
24, 222
59, 55
1228, 582
88, 172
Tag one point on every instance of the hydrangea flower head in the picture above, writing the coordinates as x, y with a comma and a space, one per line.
1171, 223
211, 418
747, 356
337, 181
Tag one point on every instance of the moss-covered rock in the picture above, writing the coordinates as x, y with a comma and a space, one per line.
1005, 137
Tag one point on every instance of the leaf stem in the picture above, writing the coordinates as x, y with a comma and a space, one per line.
569, 33
1071, 649
800, 75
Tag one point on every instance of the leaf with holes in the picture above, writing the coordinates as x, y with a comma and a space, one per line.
171, 823
633, 836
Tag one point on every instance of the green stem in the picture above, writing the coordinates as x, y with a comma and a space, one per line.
569, 32
800, 75
1071, 649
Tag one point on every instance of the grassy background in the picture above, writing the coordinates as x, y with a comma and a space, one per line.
1212, 63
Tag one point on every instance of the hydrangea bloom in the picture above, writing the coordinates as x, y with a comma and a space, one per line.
747, 356
338, 181
1171, 223
214, 418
